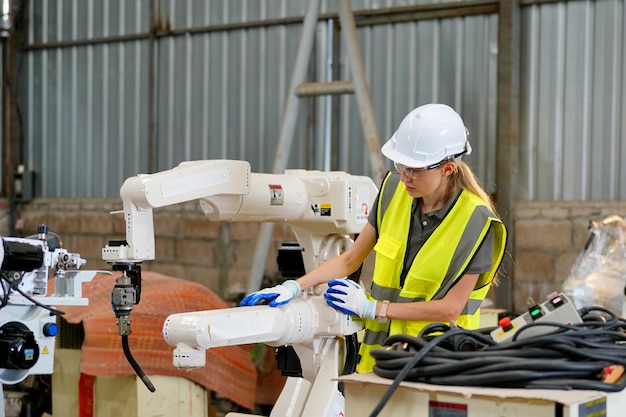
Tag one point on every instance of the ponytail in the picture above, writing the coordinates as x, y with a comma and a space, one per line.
464, 178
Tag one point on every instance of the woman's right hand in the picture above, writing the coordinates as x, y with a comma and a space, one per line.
277, 295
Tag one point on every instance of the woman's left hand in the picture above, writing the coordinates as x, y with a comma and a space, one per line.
349, 297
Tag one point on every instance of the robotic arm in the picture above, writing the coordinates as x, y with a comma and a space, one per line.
189, 181
322, 208
306, 323
298, 322
317, 205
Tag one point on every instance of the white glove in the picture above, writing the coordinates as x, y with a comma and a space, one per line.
349, 297
278, 295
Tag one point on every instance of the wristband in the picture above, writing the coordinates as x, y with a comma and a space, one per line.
382, 315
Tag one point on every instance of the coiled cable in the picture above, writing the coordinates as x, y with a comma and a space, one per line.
577, 356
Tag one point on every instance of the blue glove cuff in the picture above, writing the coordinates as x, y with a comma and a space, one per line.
292, 286
369, 309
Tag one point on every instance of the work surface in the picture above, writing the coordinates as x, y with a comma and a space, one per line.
411, 399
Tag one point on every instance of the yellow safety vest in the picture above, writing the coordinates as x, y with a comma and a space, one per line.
438, 264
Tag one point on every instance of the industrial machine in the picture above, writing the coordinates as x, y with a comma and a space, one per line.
27, 317
324, 210
558, 308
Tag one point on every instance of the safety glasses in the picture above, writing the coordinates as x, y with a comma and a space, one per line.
413, 173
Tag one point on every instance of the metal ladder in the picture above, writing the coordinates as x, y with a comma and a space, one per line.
298, 89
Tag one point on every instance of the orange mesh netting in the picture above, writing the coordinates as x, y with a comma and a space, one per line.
229, 371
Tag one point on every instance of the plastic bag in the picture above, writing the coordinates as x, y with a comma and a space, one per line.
598, 276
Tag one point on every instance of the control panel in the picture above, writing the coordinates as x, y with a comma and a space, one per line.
556, 309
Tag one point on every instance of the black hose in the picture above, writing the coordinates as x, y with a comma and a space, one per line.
352, 354
351, 343
570, 357
135, 365
407, 369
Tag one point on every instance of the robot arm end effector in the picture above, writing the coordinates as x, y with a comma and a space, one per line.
126, 293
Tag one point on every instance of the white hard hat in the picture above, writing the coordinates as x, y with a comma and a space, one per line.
428, 135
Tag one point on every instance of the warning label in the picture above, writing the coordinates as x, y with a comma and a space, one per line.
362, 204
277, 195
441, 409
322, 209
596, 408
362, 212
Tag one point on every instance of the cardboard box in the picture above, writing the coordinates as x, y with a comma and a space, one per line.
123, 395
128, 396
363, 393
489, 316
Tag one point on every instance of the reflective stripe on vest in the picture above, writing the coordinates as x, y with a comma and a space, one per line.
441, 261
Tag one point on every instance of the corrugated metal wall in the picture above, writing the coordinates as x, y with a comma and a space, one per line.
87, 95
573, 142
106, 100
107, 97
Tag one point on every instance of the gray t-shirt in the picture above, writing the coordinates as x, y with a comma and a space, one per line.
421, 229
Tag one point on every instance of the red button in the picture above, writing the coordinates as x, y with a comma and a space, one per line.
505, 323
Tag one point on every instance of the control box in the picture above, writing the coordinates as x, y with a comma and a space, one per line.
556, 309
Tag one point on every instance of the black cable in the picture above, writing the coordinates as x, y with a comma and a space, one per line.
407, 368
53, 311
574, 356
13, 285
351, 355
135, 365
6, 290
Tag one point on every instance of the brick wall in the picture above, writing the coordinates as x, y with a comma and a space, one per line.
548, 237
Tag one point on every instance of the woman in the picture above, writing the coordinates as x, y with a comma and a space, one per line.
437, 238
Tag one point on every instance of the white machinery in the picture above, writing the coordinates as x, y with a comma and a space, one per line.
308, 324
27, 319
322, 208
